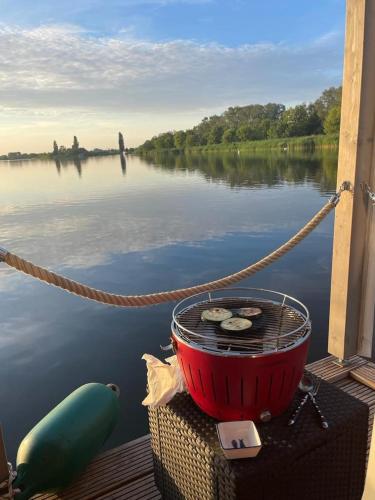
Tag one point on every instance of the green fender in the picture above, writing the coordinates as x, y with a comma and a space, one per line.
61, 445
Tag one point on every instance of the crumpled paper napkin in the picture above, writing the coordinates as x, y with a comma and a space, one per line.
164, 380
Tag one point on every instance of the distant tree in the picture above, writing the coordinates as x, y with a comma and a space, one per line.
202, 140
192, 139
315, 124
121, 143
296, 121
277, 129
246, 133
332, 121
260, 128
330, 98
300, 120
216, 134
230, 135
55, 148
148, 146
62, 149
75, 145
273, 131
273, 111
164, 141
179, 139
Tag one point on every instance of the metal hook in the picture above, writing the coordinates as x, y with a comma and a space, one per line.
3, 254
367, 189
345, 186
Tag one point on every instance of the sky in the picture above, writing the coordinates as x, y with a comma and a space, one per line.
94, 67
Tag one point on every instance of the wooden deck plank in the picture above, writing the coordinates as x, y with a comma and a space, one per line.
365, 375
126, 446
142, 488
111, 471
136, 455
343, 378
330, 371
126, 472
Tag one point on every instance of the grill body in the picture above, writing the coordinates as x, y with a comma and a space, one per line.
241, 388
243, 377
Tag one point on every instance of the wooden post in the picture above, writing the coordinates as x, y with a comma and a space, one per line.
369, 493
4, 471
350, 289
367, 317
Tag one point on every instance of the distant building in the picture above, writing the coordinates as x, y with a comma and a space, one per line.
14, 156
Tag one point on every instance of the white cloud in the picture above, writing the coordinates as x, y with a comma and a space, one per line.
56, 79
64, 67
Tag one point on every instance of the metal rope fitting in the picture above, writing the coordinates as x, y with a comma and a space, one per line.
345, 186
367, 189
3, 254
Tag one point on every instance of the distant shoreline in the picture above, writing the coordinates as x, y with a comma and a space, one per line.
310, 142
59, 157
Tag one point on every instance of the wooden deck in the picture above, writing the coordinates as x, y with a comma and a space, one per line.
357, 379
126, 472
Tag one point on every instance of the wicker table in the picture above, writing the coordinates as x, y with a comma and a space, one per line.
296, 463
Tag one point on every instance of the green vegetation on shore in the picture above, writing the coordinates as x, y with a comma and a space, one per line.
290, 143
245, 127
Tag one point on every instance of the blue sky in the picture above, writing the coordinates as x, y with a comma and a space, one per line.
230, 22
146, 66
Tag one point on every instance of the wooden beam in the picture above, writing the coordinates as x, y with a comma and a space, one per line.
356, 150
365, 375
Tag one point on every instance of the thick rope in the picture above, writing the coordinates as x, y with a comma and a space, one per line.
157, 298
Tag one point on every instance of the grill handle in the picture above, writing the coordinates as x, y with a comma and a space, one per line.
170, 347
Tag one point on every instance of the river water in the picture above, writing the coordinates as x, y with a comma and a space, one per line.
154, 223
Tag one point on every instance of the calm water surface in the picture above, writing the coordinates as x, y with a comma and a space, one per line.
150, 224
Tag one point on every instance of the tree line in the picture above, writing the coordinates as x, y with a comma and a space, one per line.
66, 153
256, 122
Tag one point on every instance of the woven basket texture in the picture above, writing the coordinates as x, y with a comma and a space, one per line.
302, 462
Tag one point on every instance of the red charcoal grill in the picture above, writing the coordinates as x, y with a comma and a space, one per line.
246, 376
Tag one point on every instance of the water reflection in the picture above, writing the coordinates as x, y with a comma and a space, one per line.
55, 222
58, 166
267, 168
123, 163
78, 165
247, 170
65, 164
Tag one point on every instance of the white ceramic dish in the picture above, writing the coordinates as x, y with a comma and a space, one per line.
239, 439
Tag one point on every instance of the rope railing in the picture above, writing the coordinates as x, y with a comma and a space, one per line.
87, 292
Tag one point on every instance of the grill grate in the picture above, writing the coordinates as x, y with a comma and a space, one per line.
280, 327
